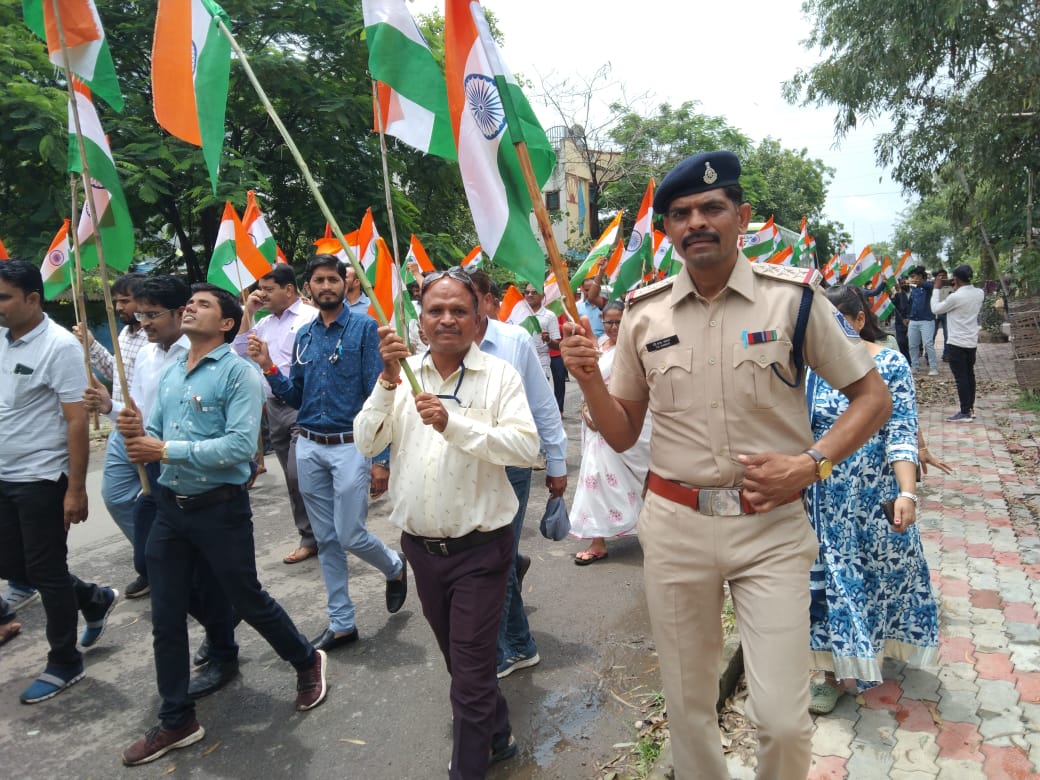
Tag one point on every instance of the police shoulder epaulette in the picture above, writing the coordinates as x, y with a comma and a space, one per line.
651, 290
808, 277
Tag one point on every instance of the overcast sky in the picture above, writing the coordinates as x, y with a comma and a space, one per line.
732, 57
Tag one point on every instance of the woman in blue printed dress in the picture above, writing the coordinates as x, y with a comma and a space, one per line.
871, 591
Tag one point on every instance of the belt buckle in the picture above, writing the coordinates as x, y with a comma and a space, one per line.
182, 502
720, 502
436, 547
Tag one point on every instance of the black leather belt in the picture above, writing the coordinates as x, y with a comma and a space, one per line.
451, 546
217, 495
327, 438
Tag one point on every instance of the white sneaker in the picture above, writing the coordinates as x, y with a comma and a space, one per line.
933, 372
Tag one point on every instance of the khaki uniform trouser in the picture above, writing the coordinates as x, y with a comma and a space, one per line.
766, 559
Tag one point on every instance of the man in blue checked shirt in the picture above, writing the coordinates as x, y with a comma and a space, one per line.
335, 365
203, 429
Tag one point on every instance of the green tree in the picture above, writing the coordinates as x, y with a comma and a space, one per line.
961, 83
782, 182
312, 63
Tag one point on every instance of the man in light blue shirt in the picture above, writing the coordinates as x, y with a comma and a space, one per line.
591, 305
204, 428
516, 647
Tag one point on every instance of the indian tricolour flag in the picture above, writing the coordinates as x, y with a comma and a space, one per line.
599, 253
389, 290
639, 253
412, 94
191, 64
904, 264
117, 231
783, 257
416, 254
758, 246
89, 56
474, 260
56, 267
831, 270
489, 114
236, 263
863, 271
883, 307
553, 300
516, 311
256, 226
363, 243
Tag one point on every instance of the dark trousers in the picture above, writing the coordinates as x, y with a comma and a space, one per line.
284, 433
461, 598
220, 536
207, 603
962, 364
559, 377
514, 632
903, 341
33, 550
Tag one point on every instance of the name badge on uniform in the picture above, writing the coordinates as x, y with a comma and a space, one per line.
653, 346
750, 338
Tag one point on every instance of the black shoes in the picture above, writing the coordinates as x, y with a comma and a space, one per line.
504, 749
397, 590
211, 677
329, 641
138, 588
201, 656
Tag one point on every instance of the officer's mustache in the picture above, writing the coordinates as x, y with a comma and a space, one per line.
448, 331
700, 235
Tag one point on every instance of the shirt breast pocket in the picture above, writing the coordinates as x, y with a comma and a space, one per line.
669, 373
755, 382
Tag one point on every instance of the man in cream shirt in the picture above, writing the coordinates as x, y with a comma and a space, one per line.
452, 499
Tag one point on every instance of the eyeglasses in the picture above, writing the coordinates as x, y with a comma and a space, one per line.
149, 316
531, 292
455, 272
611, 323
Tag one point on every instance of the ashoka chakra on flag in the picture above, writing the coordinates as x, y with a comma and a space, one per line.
486, 105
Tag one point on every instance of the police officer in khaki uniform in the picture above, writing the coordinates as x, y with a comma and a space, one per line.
712, 352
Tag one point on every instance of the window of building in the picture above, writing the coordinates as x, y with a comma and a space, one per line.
552, 200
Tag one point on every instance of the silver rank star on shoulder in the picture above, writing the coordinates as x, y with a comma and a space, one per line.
709, 174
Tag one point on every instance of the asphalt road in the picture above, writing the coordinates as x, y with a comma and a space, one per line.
387, 715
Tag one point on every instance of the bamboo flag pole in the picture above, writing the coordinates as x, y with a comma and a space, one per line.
95, 223
315, 191
398, 313
78, 299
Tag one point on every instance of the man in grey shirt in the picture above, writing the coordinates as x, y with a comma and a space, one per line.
43, 472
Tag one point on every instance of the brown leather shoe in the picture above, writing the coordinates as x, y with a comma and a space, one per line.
160, 740
311, 685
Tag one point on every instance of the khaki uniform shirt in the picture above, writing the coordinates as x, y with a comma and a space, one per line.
713, 394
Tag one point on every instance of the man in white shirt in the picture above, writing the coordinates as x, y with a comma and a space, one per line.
120, 482
288, 313
961, 307
549, 337
452, 499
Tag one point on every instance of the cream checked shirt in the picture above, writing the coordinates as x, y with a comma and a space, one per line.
449, 484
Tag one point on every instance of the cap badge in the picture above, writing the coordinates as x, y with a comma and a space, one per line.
709, 174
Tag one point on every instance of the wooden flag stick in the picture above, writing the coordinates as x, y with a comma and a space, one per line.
398, 313
78, 299
95, 222
315, 191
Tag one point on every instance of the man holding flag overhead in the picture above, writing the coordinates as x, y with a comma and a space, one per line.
717, 352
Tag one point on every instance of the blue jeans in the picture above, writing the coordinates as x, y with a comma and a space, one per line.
120, 485
514, 633
216, 541
922, 333
334, 480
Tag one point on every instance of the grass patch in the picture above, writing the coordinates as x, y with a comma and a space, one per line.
1028, 401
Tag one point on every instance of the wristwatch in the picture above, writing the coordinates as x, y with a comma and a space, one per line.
384, 463
824, 465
